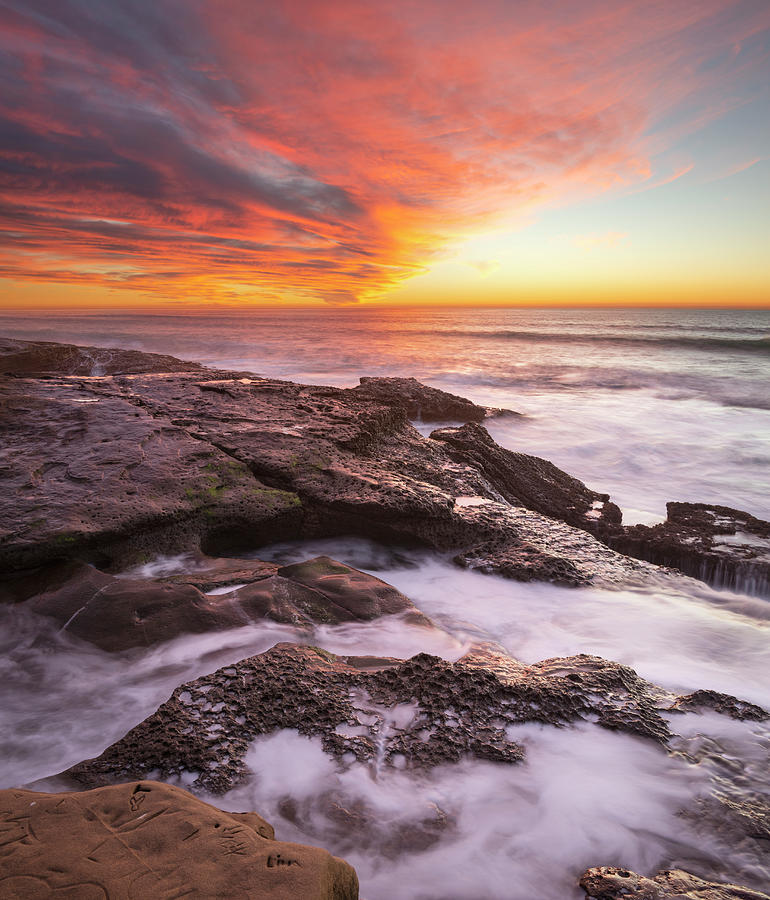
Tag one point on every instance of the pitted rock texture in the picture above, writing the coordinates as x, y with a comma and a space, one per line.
422, 711
153, 841
611, 883
120, 613
113, 469
722, 546
522, 563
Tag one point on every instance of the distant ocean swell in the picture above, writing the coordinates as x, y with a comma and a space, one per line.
733, 345
565, 379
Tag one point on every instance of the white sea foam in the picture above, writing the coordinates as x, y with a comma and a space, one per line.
583, 797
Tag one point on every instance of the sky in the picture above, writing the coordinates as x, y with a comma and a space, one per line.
205, 154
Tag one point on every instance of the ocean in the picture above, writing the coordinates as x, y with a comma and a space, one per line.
647, 405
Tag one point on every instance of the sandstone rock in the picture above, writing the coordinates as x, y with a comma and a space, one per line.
421, 712
211, 573
611, 883
356, 594
153, 841
100, 478
522, 563
119, 613
725, 547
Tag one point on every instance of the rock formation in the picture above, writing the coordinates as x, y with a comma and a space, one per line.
114, 469
45, 358
148, 840
610, 883
119, 613
722, 546
423, 709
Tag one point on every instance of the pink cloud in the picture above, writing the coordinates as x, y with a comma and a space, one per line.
330, 150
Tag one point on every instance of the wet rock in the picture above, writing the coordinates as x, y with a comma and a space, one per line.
611, 883
722, 703
119, 613
419, 712
733, 819
424, 403
145, 839
211, 573
46, 358
529, 481
357, 595
724, 547
98, 478
352, 825
522, 563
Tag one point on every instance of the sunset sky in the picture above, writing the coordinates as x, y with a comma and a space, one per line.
189, 154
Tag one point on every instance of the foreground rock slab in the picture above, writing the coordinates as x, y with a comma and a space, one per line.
150, 841
610, 883
419, 712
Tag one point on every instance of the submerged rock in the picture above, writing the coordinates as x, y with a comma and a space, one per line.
418, 712
725, 547
151, 840
611, 883
120, 613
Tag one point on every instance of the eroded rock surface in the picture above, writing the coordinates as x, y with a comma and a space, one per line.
149, 840
612, 883
113, 469
422, 711
725, 547
119, 613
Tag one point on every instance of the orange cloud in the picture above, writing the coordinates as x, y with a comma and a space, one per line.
237, 151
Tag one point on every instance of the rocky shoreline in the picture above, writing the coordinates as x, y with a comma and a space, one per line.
110, 458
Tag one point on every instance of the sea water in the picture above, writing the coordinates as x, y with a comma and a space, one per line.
647, 405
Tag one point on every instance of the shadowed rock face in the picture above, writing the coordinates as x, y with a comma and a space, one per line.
530, 481
151, 840
119, 613
722, 546
423, 709
611, 883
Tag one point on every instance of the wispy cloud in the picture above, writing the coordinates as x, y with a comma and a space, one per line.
325, 151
